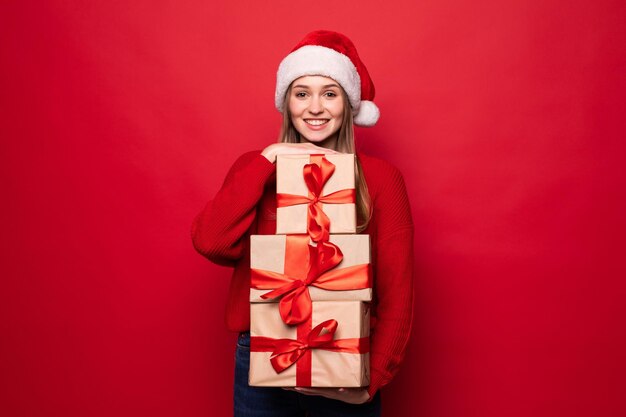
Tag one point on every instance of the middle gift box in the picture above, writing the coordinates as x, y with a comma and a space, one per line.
292, 270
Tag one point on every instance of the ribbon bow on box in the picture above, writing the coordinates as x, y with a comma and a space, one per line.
330, 349
318, 270
316, 174
286, 352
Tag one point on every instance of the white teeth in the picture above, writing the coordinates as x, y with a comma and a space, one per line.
316, 122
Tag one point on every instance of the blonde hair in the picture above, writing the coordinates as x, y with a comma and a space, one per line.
345, 144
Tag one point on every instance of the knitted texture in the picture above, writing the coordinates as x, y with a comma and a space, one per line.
246, 204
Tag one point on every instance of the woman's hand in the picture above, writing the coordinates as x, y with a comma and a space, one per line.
348, 395
293, 148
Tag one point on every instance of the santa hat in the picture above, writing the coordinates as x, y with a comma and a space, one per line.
332, 55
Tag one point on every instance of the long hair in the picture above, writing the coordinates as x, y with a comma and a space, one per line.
345, 144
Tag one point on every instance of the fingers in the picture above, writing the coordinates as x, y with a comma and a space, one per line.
324, 392
306, 148
294, 149
348, 395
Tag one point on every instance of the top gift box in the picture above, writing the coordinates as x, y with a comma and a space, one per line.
315, 194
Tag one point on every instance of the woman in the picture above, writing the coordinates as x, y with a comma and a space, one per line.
322, 89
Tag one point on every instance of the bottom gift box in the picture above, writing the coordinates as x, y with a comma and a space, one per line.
331, 349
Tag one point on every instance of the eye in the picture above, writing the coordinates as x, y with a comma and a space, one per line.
300, 94
330, 94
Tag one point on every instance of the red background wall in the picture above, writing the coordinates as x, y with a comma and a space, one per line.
120, 119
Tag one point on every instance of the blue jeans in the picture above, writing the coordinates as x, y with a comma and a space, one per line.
277, 402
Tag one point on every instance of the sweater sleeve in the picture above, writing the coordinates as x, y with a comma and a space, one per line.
217, 231
393, 281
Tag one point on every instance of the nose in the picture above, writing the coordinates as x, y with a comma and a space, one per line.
315, 105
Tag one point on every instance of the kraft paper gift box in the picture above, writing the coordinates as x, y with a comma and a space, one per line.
335, 210
278, 262
309, 355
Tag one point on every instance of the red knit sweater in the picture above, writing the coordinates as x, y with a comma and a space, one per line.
246, 204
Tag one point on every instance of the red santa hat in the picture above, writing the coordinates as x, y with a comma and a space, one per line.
332, 55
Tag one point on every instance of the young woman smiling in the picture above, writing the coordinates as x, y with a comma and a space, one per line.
322, 89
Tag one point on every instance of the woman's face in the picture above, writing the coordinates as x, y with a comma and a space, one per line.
316, 108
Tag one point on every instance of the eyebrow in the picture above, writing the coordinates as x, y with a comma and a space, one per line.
324, 86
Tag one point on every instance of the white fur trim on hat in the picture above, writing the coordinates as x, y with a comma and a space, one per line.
318, 60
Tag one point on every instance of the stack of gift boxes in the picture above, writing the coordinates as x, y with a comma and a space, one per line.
311, 283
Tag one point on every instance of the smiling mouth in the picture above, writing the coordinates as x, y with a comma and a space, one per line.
316, 122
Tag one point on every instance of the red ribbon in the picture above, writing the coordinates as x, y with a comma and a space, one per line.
286, 352
316, 174
300, 273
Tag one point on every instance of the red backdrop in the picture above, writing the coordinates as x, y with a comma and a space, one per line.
120, 119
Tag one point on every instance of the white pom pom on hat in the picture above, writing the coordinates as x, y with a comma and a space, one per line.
332, 55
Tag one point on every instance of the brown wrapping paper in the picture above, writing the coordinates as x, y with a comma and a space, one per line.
290, 180
328, 369
267, 252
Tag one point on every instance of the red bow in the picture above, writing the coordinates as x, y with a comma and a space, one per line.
316, 174
286, 352
295, 304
